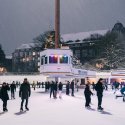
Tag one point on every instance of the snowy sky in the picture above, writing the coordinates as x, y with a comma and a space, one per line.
22, 20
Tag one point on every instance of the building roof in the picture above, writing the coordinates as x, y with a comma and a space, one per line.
67, 37
29, 45
82, 35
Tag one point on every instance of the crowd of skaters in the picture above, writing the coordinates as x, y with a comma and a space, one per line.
55, 88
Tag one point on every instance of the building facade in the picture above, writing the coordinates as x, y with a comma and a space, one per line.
25, 59
83, 44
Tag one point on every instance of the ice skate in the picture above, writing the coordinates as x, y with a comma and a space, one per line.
21, 109
100, 108
27, 109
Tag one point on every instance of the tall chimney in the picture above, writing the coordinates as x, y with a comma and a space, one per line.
57, 23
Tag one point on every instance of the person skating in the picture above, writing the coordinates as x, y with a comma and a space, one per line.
123, 93
55, 89
99, 88
34, 85
87, 93
13, 89
24, 93
67, 88
4, 95
52, 89
93, 86
72, 88
60, 89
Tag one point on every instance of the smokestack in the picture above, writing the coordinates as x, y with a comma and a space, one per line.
57, 23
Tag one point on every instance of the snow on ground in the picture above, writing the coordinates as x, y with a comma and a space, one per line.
66, 111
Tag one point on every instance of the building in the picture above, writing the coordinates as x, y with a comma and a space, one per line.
83, 44
25, 58
57, 65
86, 46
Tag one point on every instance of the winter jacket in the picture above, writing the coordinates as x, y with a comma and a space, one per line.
123, 90
25, 90
60, 86
87, 91
4, 92
72, 85
13, 87
99, 88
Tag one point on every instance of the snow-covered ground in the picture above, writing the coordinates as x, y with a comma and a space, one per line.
66, 111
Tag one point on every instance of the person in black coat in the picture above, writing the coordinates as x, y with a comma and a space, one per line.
55, 89
13, 89
46, 87
24, 93
4, 95
99, 88
72, 88
67, 87
52, 89
60, 87
87, 93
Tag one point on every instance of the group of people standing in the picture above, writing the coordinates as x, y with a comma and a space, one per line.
24, 93
99, 89
54, 87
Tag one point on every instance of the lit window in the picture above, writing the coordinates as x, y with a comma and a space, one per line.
63, 59
34, 53
53, 59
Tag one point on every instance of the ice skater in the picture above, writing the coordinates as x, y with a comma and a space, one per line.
4, 96
67, 88
34, 85
24, 93
123, 93
52, 89
87, 93
99, 88
60, 89
13, 90
72, 88
55, 89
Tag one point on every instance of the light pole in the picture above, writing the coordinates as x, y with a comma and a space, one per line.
57, 23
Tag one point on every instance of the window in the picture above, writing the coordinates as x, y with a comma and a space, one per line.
63, 59
34, 53
21, 54
46, 60
53, 59
84, 53
30, 53
77, 53
42, 60
91, 53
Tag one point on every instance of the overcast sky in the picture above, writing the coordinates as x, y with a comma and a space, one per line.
22, 20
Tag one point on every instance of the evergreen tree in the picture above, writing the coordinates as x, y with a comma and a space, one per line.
2, 57
46, 40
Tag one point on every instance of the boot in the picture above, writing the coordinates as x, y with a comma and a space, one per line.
21, 109
100, 108
27, 108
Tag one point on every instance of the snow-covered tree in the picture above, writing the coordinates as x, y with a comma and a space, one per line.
47, 39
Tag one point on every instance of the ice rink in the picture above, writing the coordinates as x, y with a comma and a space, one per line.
66, 111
